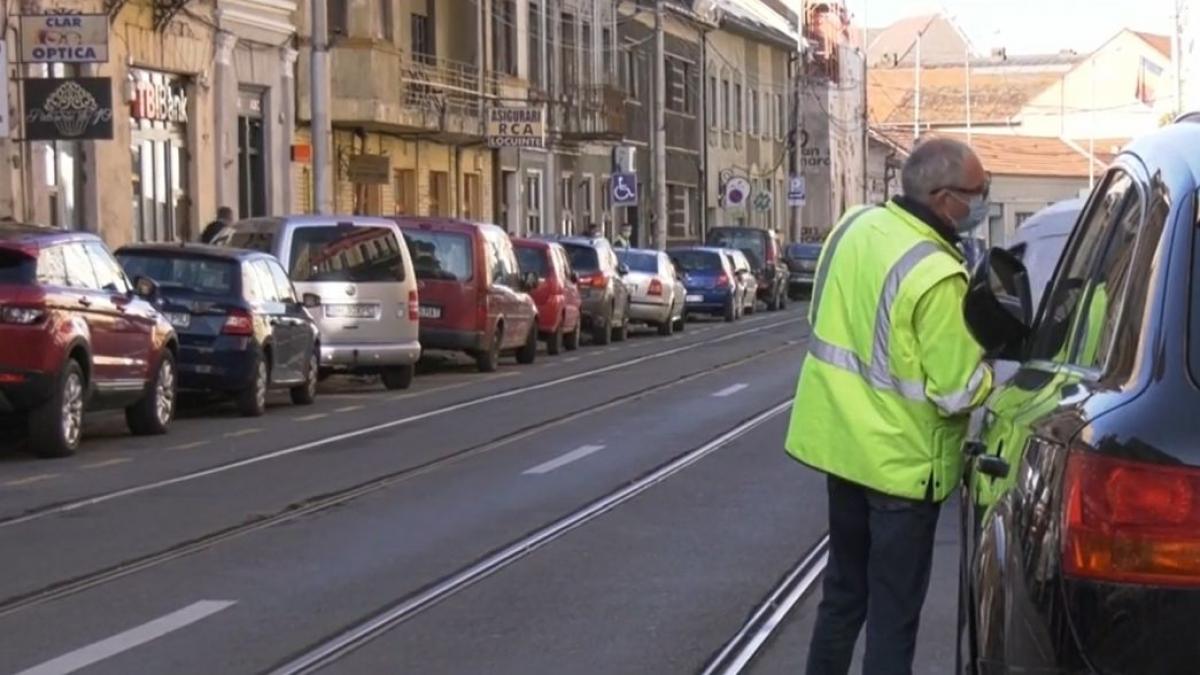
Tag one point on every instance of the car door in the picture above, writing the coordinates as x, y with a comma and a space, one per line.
621, 291
294, 322
273, 310
132, 319
1102, 282
566, 275
502, 301
109, 368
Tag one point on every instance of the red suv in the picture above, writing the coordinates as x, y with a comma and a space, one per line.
556, 296
78, 336
473, 297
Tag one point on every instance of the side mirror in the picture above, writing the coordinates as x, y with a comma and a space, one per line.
145, 288
530, 280
623, 269
311, 300
991, 465
574, 277
998, 308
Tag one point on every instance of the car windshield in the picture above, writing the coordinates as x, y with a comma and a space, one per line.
532, 260
440, 255
182, 273
698, 262
583, 258
638, 261
804, 251
752, 243
346, 253
254, 240
15, 267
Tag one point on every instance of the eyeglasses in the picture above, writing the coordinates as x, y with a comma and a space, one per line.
983, 191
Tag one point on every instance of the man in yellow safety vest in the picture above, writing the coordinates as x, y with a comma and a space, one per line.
882, 402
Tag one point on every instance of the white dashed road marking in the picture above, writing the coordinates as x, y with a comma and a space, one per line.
563, 460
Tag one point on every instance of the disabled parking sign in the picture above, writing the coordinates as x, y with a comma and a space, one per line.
624, 189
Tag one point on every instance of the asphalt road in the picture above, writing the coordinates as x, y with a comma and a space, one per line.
616, 510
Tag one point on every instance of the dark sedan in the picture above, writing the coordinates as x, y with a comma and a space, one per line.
801, 261
242, 329
1082, 514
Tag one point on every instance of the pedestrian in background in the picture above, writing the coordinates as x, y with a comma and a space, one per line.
622, 239
224, 220
883, 399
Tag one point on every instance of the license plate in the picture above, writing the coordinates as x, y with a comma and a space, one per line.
695, 298
179, 319
430, 312
345, 311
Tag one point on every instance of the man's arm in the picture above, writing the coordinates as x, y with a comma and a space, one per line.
956, 377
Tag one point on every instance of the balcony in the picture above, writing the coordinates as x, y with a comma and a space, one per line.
590, 113
377, 86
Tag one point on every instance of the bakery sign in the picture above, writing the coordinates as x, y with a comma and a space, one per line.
68, 109
64, 38
160, 100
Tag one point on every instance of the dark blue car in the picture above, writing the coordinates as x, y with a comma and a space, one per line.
708, 279
242, 329
801, 261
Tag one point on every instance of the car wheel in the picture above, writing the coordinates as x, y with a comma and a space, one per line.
601, 334
488, 361
252, 401
667, 328
751, 306
528, 352
571, 340
56, 426
621, 333
398, 377
681, 323
153, 414
306, 394
554, 343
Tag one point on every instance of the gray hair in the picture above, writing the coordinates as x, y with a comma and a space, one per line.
934, 163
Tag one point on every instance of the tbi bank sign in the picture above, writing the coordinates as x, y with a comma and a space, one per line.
64, 38
516, 128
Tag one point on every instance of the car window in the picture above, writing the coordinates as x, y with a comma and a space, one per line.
79, 267
752, 242
51, 267
178, 274
584, 259
501, 262
698, 262
108, 271
533, 260
346, 253
283, 285
1072, 281
266, 282
441, 255
639, 261
255, 240
252, 289
16, 267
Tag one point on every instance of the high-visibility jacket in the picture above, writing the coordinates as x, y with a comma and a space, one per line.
891, 370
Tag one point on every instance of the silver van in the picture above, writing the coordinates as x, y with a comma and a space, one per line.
362, 270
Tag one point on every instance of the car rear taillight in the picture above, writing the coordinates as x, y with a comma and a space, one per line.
238, 322
656, 287
722, 281
771, 254
596, 281
21, 316
414, 307
1131, 522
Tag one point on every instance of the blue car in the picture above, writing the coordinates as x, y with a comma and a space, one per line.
242, 329
709, 280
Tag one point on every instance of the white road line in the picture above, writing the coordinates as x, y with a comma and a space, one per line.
358, 433
134, 637
243, 432
188, 446
31, 479
730, 390
571, 359
309, 418
108, 462
349, 408
563, 460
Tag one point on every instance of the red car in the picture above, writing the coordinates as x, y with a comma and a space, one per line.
473, 297
556, 295
78, 336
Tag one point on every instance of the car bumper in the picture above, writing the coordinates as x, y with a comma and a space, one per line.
367, 356
452, 340
650, 312
800, 280
708, 300
595, 311
221, 368
21, 390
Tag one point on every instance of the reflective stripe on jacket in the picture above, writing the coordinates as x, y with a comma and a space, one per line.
891, 369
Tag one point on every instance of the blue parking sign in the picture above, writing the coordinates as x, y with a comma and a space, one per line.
624, 189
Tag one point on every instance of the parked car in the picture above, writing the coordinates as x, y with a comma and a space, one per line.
556, 295
743, 276
78, 336
762, 249
1040, 240
361, 269
601, 284
1083, 501
708, 277
801, 260
474, 298
243, 330
973, 249
658, 297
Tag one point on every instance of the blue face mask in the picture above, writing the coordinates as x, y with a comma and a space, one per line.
977, 210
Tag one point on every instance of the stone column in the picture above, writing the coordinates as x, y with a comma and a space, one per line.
287, 57
225, 102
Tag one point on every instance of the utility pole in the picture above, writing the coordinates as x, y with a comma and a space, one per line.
319, 99
660, 130
917, 91
967, 63
1177, 48
866, 116
795, 133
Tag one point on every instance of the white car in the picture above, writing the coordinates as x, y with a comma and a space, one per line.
656, 292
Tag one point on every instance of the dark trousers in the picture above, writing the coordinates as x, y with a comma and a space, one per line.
880, 554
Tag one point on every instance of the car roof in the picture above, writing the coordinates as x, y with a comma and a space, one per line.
312, 219
1054, 220
442, 224
1170, 152
701, 249
641, 251
29, 235
525, 242
205, 250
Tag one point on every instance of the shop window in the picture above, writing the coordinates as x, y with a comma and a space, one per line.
405, 189
252, 184
472, 196
533, 203
679, 206
439, 193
